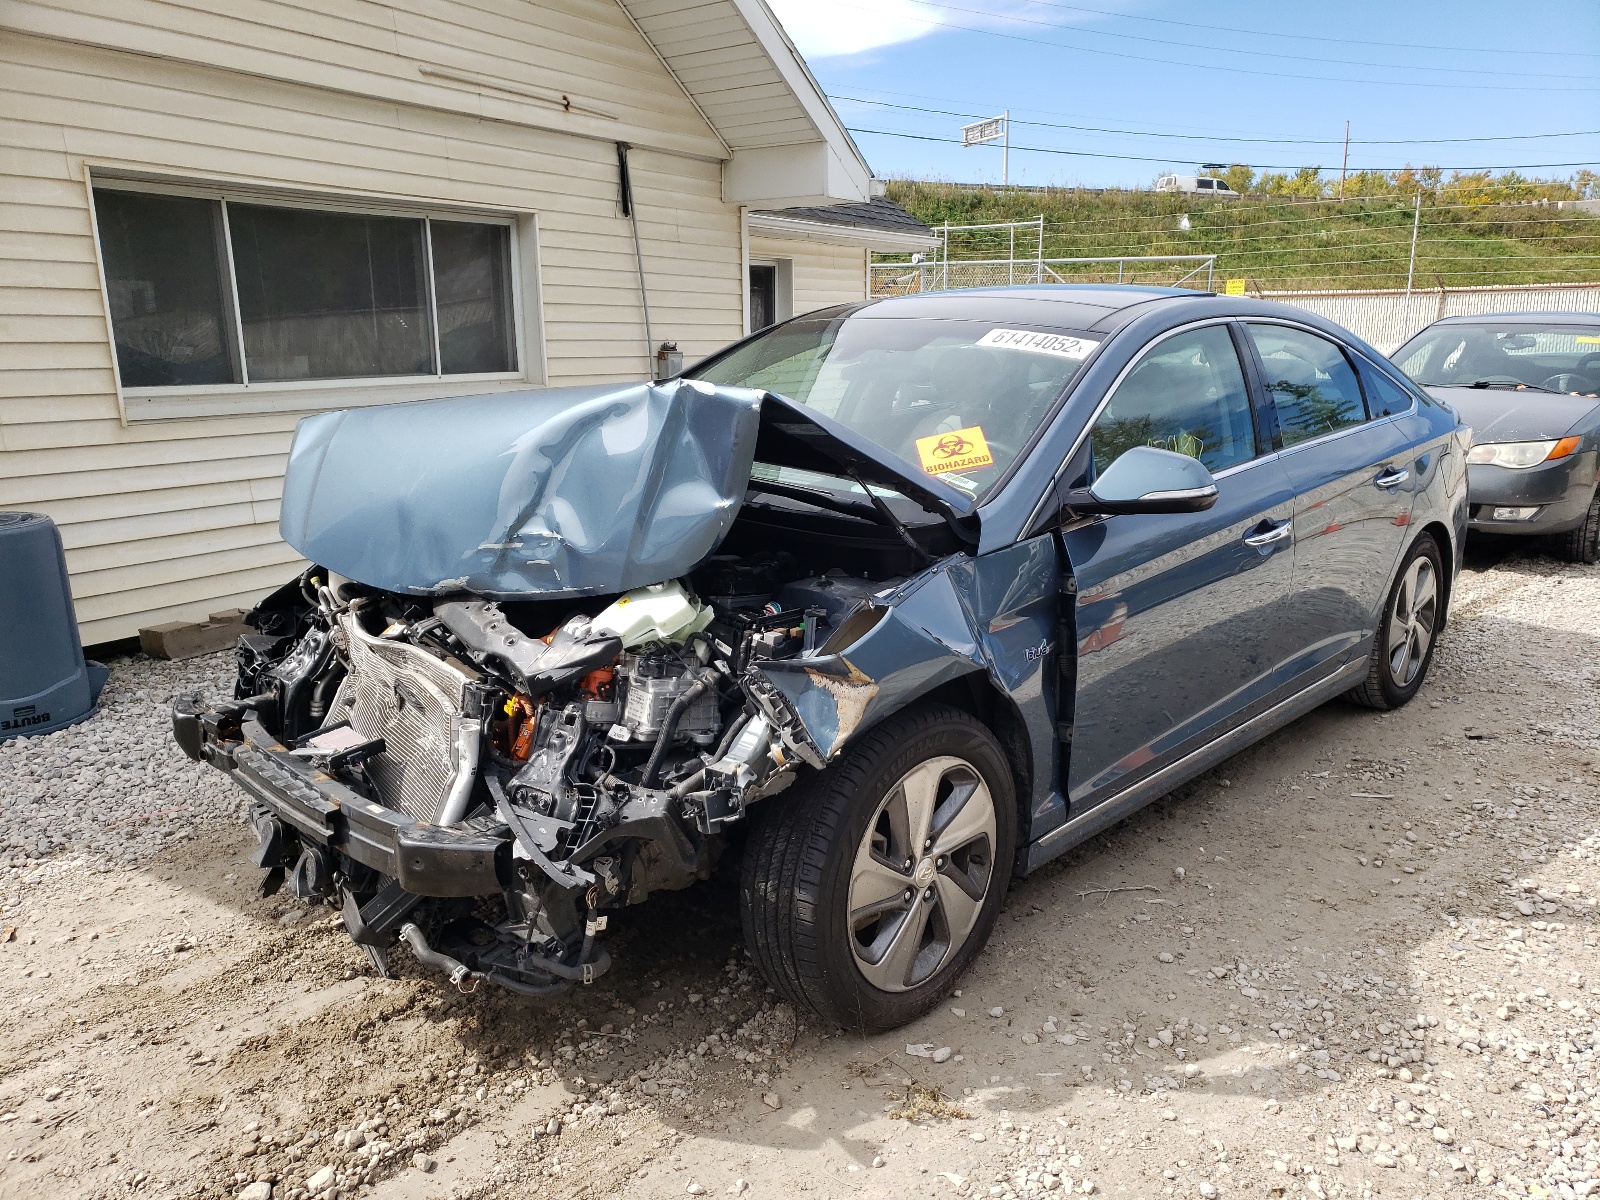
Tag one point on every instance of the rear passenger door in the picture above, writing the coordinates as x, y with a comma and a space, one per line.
1352, 478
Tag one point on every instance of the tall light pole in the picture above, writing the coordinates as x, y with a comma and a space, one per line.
988, 131
1343, 166
1416, 223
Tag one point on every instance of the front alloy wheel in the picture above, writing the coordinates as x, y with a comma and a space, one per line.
869, 887
921, 873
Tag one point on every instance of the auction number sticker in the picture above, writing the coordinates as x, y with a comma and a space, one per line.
1035, 342
958, 450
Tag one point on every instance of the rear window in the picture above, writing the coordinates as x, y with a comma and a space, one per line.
1313, 385
1385, 397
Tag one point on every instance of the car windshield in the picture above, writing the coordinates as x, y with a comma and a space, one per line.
956, 398
1510, 355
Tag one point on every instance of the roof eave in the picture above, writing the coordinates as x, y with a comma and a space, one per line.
798, 229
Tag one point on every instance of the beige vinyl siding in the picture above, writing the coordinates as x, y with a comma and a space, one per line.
822, 274
587, 50
176, 518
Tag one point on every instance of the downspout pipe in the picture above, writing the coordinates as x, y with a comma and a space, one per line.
629, 211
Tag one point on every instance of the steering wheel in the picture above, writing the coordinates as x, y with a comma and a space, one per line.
1567, 381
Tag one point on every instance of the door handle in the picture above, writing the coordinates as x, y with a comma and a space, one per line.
1270, 537
1391, 478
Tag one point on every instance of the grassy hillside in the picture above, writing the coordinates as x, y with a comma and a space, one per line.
1277, 242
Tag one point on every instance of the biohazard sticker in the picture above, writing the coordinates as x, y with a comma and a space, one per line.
1032, 340
959, 450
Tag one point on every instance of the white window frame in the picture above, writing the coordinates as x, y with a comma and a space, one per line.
302, 395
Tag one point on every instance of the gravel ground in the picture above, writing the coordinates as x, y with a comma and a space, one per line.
111, 789
1357, 960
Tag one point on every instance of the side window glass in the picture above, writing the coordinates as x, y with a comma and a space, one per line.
1313, 386
1186, 394
1384, 396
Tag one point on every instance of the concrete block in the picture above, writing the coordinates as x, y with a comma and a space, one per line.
190, 639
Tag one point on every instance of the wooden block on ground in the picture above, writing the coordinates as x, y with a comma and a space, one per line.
190, 639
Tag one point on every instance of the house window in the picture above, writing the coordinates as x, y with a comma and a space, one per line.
211, 291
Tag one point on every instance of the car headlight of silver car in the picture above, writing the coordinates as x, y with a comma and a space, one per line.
1522, 454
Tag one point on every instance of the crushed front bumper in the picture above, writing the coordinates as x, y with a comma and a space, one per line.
423, 859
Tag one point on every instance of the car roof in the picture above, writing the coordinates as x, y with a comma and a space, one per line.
1520, 318
1100, 308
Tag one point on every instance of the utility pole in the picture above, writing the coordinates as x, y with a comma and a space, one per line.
1343, 166
1416, 222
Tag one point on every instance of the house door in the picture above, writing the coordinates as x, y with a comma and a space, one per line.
763, 296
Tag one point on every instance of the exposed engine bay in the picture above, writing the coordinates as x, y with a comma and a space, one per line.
590, 751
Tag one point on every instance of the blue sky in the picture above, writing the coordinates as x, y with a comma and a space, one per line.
1407, 71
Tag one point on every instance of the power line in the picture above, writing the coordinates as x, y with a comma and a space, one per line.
995, 33
1012, 100
925, 137
1307, 37
1348, 210
1084, 29
1203, 137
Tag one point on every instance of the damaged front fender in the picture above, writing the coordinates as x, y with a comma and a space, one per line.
993, 615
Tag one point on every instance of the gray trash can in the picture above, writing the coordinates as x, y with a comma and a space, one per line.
44, 682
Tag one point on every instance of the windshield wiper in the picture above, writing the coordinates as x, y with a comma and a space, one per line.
876, 511
1515, 385
817, 498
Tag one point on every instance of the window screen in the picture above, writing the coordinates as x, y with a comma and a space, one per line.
315, 294
472, 279
166, 280
1313, 385
330, 295
1186, 394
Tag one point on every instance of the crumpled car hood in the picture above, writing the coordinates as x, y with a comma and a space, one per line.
555, 492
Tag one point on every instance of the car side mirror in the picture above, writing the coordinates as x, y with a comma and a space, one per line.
1144, 479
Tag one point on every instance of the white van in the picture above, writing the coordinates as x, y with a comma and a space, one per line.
1196, 185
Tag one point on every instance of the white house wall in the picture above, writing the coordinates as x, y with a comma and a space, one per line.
822, 275
175, 518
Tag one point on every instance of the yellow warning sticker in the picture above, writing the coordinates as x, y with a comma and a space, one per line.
1589, 341
959, 450
1233, 287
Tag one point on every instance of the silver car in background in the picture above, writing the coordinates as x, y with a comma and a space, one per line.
1529, 386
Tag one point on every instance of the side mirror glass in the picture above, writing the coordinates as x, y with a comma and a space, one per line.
1144, 479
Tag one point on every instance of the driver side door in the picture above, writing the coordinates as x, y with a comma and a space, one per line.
1182, 623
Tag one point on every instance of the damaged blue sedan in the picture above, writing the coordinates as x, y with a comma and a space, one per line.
883, 606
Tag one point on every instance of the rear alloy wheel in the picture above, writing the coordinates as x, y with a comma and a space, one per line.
869, 887
1403, 646
1581, 545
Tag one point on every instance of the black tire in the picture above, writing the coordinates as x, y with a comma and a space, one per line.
796, 879
1387, 687
1581, 545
